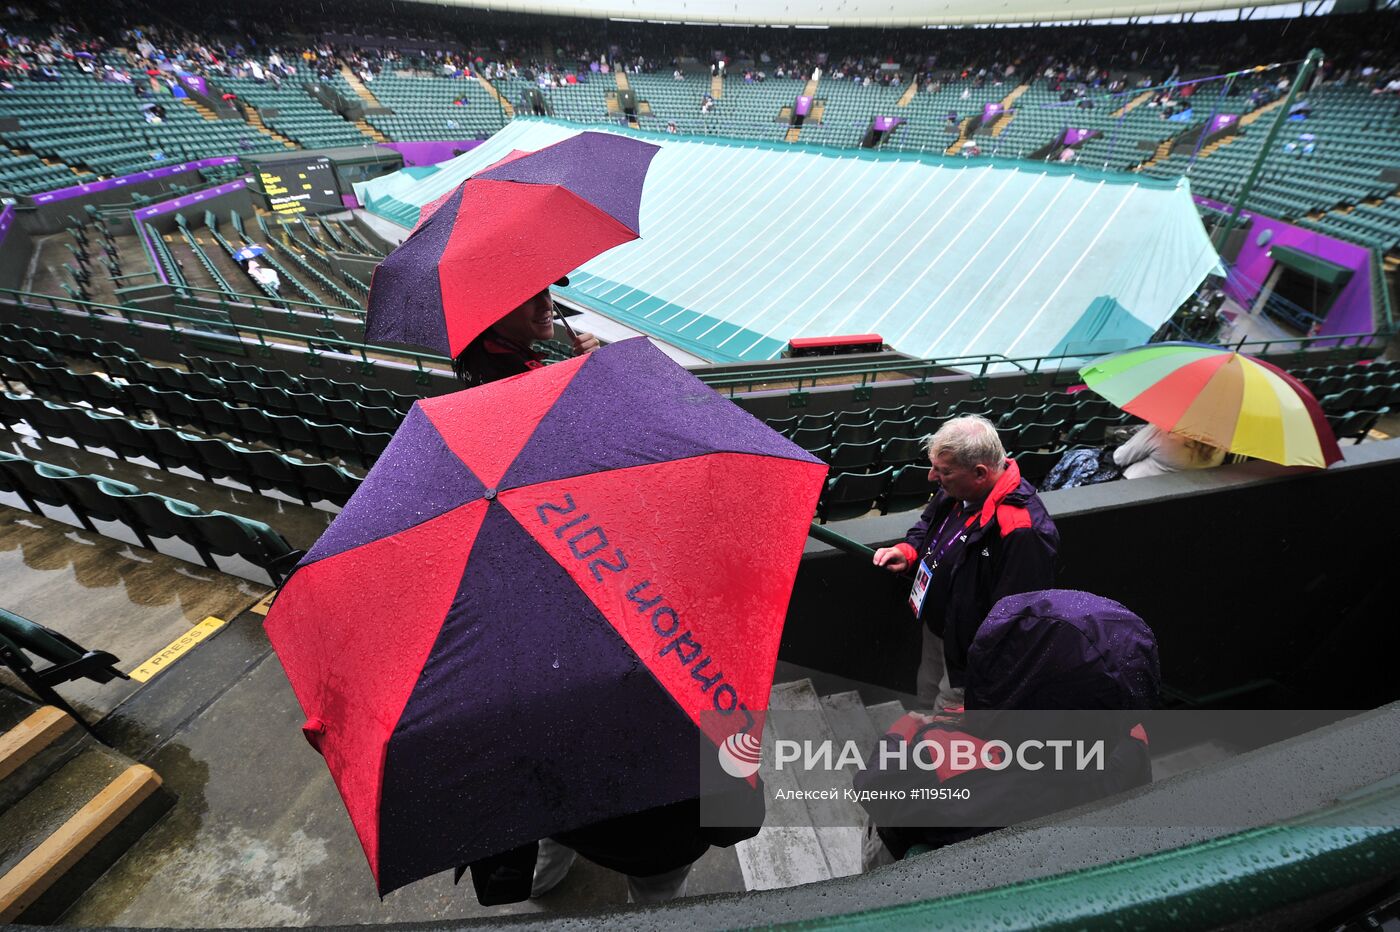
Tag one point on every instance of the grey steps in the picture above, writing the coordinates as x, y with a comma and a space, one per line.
886, 714
41, 812
786, 852
35, 741
839, 822
70, 827
850, 719
805, 841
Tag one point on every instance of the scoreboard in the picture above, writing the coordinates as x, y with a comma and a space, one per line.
299, 186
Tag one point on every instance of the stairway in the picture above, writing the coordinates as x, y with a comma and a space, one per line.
69, 808
363, 126
1133, 104
808, 90
255, 120
963, 136
359, 88
490, 88
1258, 112
717, 86
1008, 104
909, 94
1165, 148
623, 85
804, 842
199, 108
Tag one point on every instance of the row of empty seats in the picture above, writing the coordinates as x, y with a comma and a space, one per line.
97, 502
261, 470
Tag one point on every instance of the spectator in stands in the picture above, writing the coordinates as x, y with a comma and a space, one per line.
1155, 452
985, 535
1037, 653
265, 276
504, 349
1150, 451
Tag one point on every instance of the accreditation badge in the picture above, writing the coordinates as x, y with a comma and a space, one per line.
921, 580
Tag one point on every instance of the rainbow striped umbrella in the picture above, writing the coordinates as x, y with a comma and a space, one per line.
1226, 399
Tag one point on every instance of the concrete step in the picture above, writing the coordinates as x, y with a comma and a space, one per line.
69, 829
786, 851
839, 823
884, 715
33, 748
850, 720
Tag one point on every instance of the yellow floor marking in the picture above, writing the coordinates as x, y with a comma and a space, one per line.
263, 607
176, 649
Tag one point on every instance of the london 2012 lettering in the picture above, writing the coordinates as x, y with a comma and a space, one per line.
589, 544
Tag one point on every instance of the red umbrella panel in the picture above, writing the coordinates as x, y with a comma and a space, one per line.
548, 593
505, 235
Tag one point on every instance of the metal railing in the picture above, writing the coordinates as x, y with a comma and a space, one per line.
980, 366
262, 337
731, 381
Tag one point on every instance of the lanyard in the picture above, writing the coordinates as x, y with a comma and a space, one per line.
943, 550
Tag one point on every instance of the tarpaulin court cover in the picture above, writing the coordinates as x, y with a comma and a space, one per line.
747, 245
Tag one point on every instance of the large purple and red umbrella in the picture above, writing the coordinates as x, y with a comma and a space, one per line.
543, 599
503, 236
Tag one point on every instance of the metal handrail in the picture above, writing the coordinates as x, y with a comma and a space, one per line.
923, 369
280, 304
96, 309
734, 382
1380, 290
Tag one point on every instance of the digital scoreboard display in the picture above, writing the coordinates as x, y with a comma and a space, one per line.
297, 187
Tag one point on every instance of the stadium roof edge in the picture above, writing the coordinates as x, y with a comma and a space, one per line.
861, 13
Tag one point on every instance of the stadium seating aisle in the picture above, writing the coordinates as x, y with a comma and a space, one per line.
1333, 158
435, 107
114, 135
293, 112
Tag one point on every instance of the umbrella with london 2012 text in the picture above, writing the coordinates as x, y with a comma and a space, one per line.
548, 595
1220, 397
504, 235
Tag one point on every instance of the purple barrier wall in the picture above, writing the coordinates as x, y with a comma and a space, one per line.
430, 152
189, 200
1351, 312
990, 112
7, 217
1221, 121
1073, 137
195, 83
78, 190
803, 106
885, 124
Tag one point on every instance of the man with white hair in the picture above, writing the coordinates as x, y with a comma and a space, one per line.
984, 536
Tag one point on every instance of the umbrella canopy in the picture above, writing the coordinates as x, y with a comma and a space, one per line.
1223, 398
248, 252
504, 235
546, 595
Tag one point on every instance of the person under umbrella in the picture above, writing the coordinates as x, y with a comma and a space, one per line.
504, 350
1054, 651
529, 622
472, 279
